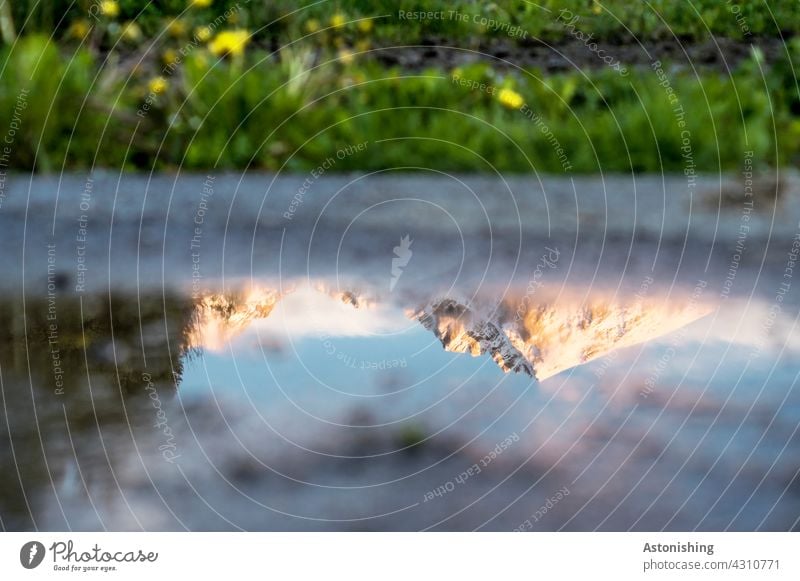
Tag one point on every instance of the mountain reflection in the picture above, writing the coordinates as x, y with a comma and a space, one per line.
87, 380
546, 339
540, 339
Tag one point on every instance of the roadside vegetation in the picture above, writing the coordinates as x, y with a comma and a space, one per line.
220, 84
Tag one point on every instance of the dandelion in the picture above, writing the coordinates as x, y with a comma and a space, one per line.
596, 8
365, 26
346, 56
229, 42
170, 56
312, 25
200, 3
79, 29
176, 28
338, 20
131, 31
511, 99
109, 8
202, 33
157, 85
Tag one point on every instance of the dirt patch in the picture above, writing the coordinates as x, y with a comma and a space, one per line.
721, 54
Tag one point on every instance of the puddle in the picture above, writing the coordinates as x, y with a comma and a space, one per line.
304, 405
405, 353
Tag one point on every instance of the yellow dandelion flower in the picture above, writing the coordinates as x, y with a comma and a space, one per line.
131, 31
338, 20
312, 25
157, 85
365, 25
176, 28
229, 42
79, 29
511, 99
346, 56
109, 8
170, 56
597, 8
200, 3
202, 33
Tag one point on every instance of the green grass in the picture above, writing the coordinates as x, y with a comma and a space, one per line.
88, 100
260, 114
610, 19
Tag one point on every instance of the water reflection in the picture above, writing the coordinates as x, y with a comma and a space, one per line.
74, 396
541, 339
296, 406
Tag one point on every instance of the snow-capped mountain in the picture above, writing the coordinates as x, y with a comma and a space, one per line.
460, 331
546, 339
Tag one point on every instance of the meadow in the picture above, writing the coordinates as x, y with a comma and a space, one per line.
278, 87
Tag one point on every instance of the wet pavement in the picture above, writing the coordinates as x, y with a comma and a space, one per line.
399, 352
